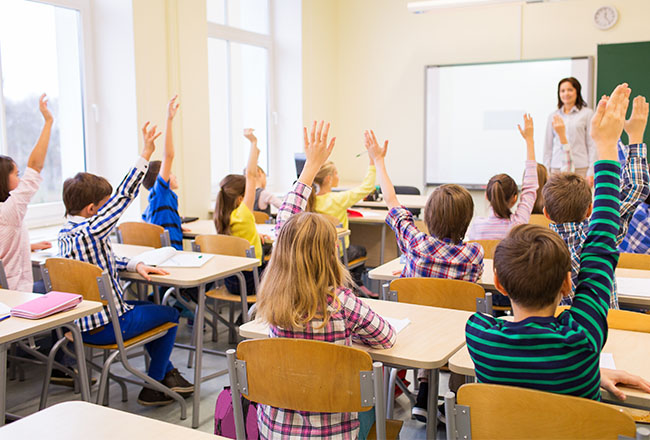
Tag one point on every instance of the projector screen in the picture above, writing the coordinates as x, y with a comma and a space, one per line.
472, 112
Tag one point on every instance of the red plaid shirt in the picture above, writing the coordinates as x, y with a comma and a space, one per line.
429, 257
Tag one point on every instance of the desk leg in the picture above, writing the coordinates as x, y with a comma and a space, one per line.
198, 363
3, 383
244, 296
432, 404
81, 361
383, 243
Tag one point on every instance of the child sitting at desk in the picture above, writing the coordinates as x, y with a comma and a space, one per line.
91, 216
162, 209
568, 198
304, 295
532, 266
501, 192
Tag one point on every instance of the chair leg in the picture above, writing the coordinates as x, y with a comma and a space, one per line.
190, 353
48, 372
232, 336
390, 396
102, 393
215, 332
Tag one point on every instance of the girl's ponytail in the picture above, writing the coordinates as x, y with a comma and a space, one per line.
500, 190
232, 187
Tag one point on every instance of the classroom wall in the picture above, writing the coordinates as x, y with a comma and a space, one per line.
363, 62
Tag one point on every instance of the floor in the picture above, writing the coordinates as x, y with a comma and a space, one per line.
23, 397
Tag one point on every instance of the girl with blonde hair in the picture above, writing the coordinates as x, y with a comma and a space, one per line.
303, 295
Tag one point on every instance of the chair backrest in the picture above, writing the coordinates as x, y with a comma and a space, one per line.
534, 415
222, 245
622, 320
441, 292
627, 260
142, 234
489, 247
72, 276
539, 219
260, 217
3, 277
412, 190
297, 374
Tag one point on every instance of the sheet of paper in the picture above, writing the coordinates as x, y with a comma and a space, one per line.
5, 310
398, 324
607, 361
633, 286
156, 257
189, 259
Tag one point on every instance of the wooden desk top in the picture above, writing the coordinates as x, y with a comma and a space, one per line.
374, 216
629, 292
203, 227
433, 335
407, 200
219, 266
628, 348
14, 328
83, 421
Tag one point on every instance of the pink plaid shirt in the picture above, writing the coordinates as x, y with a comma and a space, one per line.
429, 257
350, 321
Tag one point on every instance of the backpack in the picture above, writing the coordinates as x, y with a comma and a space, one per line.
224, 417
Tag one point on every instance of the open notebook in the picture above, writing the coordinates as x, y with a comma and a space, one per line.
170, 257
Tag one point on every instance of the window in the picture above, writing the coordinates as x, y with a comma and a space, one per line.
41, 52
239, 66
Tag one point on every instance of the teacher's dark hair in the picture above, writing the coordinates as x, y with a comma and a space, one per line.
576, 85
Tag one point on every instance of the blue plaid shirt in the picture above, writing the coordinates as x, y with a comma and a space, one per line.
635, 187
637, 239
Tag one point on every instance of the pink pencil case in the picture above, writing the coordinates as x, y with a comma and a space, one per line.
46, 305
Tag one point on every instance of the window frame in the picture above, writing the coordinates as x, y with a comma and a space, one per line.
51, 213
232, 34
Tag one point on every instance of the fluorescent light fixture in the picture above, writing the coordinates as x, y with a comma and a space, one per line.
424, 6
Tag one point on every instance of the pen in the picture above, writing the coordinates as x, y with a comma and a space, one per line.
361, 154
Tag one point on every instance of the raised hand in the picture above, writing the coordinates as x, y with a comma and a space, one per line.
528, 131
248, 134
608, 121
317, 150
560, 128
172, 108
42, 106
635, 126
375, 152
149, 135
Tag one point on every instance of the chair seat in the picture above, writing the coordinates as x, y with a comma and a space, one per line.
357, 262
222, 294
141, 337
639, 415
393, 427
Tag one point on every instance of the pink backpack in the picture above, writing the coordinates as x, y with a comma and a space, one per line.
224, 417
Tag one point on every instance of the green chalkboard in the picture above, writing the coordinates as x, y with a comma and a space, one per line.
626, 62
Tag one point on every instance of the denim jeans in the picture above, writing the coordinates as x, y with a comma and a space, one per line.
143, 317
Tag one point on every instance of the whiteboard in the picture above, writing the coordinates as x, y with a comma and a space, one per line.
472, 112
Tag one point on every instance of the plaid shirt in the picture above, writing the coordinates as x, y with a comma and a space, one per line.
350, 320
637, 239
635, 185
88, 240
428, 256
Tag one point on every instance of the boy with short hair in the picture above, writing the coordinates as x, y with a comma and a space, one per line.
567, 197
92, 214
162, 209
532, 266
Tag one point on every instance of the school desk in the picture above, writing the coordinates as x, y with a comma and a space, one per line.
633, 284
628, 349
433, 335
84, 421
364, 233
217, 267
14, 329
411, 201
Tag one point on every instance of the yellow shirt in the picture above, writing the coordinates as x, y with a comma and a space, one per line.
337, 203
242, 224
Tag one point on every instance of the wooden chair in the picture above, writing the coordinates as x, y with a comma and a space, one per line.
143, 234
622, 320
297, 374
260, 217
539, 219
236, 247
480, 408
627, 260
88, 280
489, 247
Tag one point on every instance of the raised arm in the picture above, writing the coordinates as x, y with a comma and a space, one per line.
168, 154
567, 157
317, 151
251, 170
548, 144
530, 183
377, 155
37, 157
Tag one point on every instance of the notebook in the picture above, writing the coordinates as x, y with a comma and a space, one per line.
169, 257
46, 305
5, 311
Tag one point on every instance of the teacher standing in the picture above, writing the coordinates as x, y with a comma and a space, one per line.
568, 145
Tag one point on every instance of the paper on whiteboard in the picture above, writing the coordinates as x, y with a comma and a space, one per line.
607, 361
398, 324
